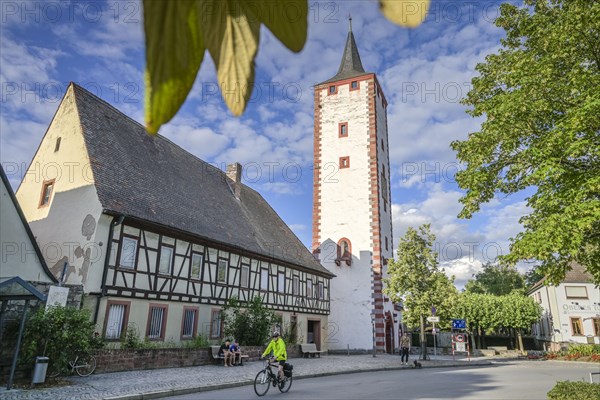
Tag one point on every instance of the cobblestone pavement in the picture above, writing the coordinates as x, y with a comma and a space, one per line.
157, 383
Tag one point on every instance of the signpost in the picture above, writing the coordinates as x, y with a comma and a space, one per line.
460, 341
433, 319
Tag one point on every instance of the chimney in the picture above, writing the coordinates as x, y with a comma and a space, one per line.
234, 173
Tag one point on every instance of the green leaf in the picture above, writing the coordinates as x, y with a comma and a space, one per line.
409, 13
286, 19
174, 52
232, 34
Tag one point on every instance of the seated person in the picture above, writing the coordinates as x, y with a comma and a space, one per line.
224, 351
235, 352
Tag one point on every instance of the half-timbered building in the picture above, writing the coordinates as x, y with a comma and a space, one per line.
159, 238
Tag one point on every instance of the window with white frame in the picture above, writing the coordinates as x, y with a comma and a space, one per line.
190, 316
115, 320
166, 260
128, 252
309, 288
245, 276
264, 279
320, 290
576, 292
295, 285
222, 271
156, 322
215, 324
281, 282
196, 268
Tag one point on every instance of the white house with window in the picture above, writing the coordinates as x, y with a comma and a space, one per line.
571, 310
160, 239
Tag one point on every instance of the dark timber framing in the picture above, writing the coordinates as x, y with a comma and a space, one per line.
144, 281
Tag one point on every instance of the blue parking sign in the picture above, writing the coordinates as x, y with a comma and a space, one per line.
459, 324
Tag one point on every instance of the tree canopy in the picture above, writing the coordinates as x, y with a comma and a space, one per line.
496, 279
416, 280
540, 97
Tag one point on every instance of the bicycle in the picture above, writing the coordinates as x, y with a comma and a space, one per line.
83, 365
265, 378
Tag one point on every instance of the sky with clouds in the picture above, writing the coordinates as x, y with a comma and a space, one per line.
424, 73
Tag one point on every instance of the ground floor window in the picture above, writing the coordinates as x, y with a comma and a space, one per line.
576, 327
116, 320
157, 319
189, 323
596, 326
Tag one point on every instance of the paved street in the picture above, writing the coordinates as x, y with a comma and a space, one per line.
505, 380
439, 378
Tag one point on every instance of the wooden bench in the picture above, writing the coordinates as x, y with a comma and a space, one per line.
310, 350
499, 349
221, 358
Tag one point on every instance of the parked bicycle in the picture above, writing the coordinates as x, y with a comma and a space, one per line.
83, 365
265, 378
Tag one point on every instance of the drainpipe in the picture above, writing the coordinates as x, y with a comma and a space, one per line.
113, 223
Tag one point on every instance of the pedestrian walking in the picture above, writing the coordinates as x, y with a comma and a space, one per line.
404, 348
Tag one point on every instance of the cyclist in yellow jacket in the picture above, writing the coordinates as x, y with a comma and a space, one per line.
277, 346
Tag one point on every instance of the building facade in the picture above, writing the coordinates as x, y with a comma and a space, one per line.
571, 310
160, 239
352, 221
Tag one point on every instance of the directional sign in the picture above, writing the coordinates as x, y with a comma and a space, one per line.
459, 324
433, 319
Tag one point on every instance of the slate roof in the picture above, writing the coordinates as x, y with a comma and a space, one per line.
577, 274
152, 179
351, 66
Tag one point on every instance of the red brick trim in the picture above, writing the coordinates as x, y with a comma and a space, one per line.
340, 133
344, 162
163, 327
365, 77
316, 214
195, 330
45, 184
125, 322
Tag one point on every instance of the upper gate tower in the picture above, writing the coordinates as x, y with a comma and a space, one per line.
352, 224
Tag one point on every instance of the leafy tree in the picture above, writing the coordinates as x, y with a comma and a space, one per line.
540, 95
533, 276
496, 279
178, 33
249, 323
486, 313
60, 333
416, 280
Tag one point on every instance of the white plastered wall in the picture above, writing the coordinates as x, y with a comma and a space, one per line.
345, 212
71, 228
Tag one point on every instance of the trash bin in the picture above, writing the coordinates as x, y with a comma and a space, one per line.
39, 372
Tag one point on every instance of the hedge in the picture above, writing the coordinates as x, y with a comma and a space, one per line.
565, 390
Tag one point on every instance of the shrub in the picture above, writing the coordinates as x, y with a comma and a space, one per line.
249, 323
565, 390
584, 349
197, 342
61, 333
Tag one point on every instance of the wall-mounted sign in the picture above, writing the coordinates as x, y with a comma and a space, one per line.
57, 296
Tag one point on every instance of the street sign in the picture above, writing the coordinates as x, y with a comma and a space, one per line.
459, 337
460, 346
433, 319
459, 324
433, 310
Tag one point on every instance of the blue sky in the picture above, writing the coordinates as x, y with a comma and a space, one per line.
424, 72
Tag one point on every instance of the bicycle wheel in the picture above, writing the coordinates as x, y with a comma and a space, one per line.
85, 365
262, 383
285, 385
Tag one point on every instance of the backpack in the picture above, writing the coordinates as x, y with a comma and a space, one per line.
287, 369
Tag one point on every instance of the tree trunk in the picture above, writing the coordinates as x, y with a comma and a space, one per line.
521, 349
423, 339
